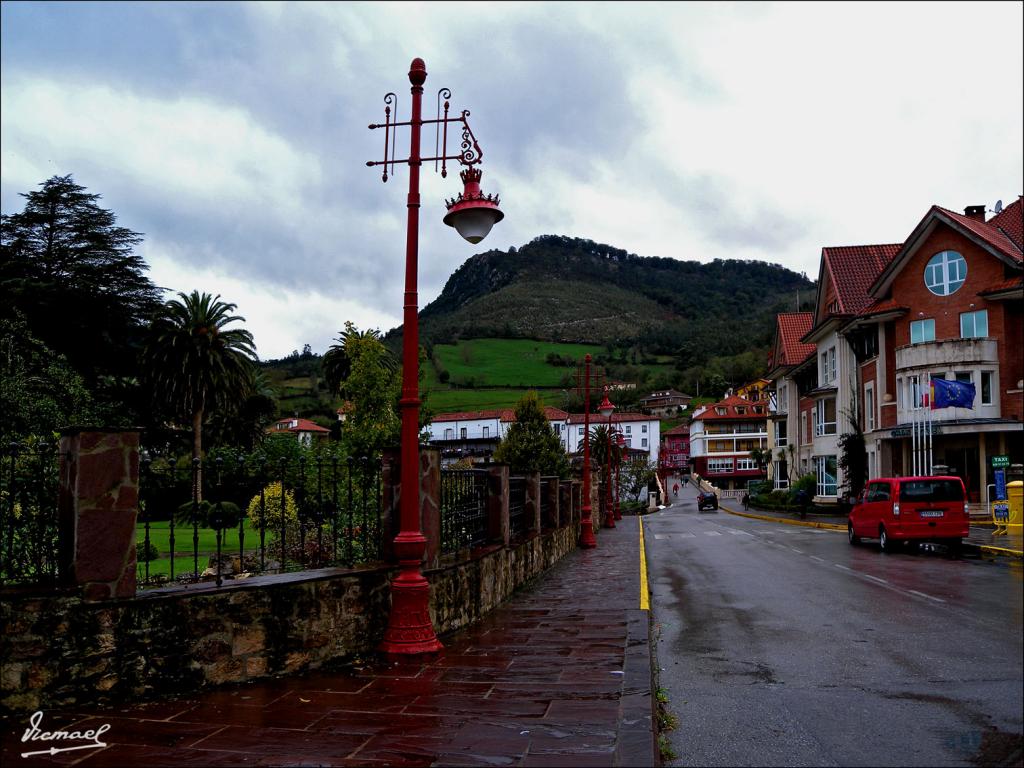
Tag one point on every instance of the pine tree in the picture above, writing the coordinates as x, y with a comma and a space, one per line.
530, 444
75, 276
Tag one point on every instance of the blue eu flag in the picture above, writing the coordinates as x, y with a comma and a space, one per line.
952, 394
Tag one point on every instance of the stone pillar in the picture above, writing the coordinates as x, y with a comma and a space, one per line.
497, 504
550, 489
533, 491
430, 501
564, 503
390, 500
97, 508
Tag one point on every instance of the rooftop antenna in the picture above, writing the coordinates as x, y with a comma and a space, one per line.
998, 207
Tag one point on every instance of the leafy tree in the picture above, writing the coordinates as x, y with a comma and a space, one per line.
75, 276
599, 446
39, 391
244, 424
762, 457
337, 362
195, 365
530, 445
636, 474
362, 370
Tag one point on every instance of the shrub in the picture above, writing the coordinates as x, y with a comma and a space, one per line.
146, 553
219, 515
271, 508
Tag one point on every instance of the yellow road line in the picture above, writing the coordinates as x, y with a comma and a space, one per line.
644, 602
786, 520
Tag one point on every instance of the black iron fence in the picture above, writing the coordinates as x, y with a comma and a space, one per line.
517, 523
28, 514
238, 514
463, 509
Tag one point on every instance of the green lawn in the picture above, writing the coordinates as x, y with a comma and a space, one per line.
160, 536
509, 362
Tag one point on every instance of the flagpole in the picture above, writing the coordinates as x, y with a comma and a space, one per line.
913, 428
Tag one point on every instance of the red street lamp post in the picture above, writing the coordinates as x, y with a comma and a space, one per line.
606, 409
587, 538
409, 629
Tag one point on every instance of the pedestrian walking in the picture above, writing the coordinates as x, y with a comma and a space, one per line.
746, 501
675, 490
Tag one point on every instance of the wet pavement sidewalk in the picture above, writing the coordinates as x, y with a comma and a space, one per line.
560, 675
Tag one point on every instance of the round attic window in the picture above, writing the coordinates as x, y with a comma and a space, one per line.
945, 273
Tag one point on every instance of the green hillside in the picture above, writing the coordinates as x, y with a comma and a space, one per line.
508, 362
571, 290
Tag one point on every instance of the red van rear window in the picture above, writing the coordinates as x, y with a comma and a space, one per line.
931, 490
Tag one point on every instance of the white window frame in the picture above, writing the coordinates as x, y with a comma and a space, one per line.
449, 434
629, 429
822, 427
643, 443
781, 440
643, 429
487, 431
869, 406
990, 377
462, 433
970, 328
945, 273
923, 329
580, 433
719, 466
745, 465
820, 467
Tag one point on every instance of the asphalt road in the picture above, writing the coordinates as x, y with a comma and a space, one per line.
783, 645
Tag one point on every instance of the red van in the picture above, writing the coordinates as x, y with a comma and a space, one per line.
896, 510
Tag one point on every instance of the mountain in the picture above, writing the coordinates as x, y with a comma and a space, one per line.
567, 289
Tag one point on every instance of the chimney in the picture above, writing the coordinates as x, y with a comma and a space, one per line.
976, 212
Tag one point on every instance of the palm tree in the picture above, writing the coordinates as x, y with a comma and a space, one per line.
195, 364
337, 361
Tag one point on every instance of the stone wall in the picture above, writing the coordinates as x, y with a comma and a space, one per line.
61, 650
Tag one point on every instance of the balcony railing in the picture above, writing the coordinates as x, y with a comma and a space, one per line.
947, 354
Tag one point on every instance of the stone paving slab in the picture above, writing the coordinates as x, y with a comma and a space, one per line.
558, 676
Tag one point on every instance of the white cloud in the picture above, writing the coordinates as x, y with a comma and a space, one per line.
280, 319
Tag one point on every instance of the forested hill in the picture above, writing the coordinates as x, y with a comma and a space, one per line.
568, 289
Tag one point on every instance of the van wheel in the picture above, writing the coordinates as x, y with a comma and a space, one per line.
854, 539
955, 547
886, 544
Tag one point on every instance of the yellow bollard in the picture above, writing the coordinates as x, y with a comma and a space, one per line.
1009, 514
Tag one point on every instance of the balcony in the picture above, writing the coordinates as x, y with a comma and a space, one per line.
947, 354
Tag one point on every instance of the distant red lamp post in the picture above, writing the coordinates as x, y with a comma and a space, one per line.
621, 442
472, 214
606, 409
587, 538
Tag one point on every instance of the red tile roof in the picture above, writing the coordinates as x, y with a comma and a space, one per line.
997, 238
503, 414
853, 268
791, 327
1006, 285
1010, 221
597, 418
882, 306
468, 415
730, 404
682, 429
301, 425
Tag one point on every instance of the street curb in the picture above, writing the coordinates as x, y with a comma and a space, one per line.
998, 551
786, 520
638, 738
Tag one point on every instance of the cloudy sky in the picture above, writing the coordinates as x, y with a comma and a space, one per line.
234, 135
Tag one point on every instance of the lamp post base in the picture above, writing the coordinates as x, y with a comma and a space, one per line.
409, 628
587, 538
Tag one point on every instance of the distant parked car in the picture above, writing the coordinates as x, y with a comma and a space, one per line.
897, 510
706, 499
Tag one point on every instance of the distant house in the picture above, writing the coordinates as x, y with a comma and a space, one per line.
305, 431
476, 434
675, 450
640, 432
722, 435
665, 402
755, 391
